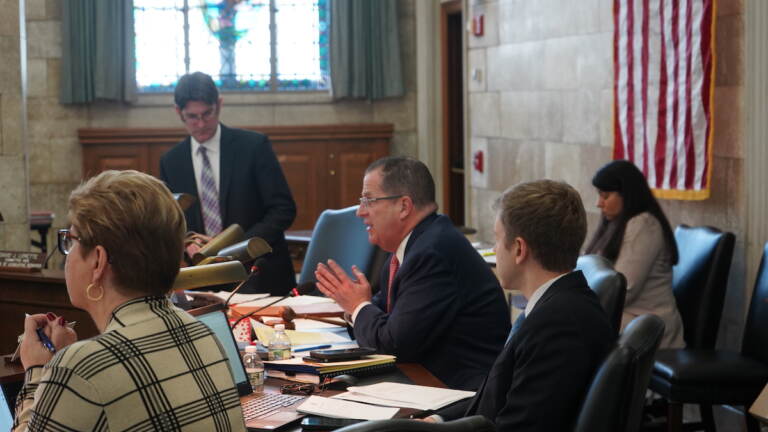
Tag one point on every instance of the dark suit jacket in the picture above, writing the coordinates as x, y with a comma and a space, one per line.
541, 377
448, 313
252, 192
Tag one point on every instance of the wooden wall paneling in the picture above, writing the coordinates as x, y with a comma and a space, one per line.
347, 163
155, 152
324, 164
303, 164
104, 158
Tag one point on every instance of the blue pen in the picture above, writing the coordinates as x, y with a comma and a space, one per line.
311, 348
45, 340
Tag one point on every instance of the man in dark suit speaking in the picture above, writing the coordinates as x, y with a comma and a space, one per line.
541, 377
440, 305
235, 176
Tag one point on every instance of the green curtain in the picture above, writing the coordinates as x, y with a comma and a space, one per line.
97, 51
365, 49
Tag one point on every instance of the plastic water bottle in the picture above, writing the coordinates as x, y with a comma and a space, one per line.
280, 345
254, 368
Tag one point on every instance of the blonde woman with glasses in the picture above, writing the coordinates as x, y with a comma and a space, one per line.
153, 366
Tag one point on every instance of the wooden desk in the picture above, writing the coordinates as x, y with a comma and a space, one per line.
34, 293
12, 376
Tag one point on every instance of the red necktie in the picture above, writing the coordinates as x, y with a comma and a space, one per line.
394, 264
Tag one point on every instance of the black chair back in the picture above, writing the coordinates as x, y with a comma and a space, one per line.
699, 281
609, 285
755, 342
476, 423
615, 399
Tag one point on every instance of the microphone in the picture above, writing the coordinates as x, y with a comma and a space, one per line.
207, 275
50, 254
300, 290
246, 250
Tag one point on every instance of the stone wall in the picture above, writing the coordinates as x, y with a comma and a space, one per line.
55, 164
14, 231
543, 108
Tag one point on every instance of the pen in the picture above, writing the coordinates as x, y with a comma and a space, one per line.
311, 348
45, 340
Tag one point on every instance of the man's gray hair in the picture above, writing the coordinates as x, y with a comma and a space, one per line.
406, 176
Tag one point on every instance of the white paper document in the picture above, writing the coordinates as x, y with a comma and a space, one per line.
239, 298
405, 395
327, 407
265, 299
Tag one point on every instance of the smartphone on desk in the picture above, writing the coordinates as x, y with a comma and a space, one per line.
325, 423
332, 355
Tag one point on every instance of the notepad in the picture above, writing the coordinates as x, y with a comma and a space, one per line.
335, 408
266, 333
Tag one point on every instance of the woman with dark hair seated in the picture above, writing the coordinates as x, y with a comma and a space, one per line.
153, 367
635, 235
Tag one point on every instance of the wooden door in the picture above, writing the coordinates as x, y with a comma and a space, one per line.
451, 30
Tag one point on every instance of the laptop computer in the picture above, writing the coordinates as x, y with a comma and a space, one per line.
6, 416
267, 411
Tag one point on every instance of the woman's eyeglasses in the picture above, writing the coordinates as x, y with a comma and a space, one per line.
297, 389
303, 388
66, 241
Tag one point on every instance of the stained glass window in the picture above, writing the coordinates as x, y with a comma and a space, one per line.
245, 45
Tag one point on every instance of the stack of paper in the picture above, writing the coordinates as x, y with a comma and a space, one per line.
296, 369
326, 407
405, 395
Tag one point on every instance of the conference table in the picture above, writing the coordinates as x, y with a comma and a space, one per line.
12, 376
20, 290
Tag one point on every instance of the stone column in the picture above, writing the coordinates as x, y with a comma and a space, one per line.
14, 180
756, 114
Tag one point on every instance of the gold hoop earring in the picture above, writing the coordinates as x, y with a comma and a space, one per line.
92, 298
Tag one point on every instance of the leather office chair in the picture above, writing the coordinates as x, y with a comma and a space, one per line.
699, 280
609, 285
476, 423
339, 235
616, 396
715, 377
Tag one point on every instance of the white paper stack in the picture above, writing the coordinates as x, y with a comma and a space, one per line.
327, 407
404, 395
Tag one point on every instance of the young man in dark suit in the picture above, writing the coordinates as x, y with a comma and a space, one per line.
540, 378
440, 304
235, 176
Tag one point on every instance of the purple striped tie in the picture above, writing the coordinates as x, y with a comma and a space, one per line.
209, 196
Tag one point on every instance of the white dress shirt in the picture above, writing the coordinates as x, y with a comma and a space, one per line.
539, 293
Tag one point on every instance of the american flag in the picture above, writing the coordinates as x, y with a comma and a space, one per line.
664, 64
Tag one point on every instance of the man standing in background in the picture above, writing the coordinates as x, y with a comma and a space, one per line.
235, 176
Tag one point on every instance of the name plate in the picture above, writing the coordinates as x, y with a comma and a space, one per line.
21, 261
